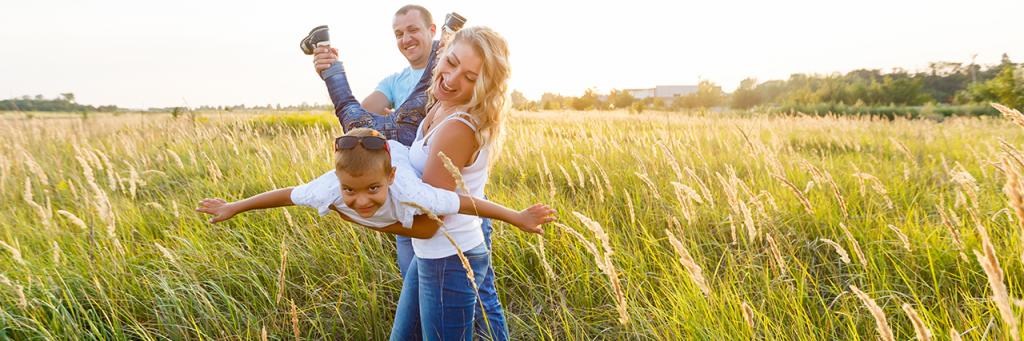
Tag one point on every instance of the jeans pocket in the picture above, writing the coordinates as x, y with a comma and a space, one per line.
360, 120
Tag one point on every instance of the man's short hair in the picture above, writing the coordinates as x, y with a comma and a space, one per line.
427, 18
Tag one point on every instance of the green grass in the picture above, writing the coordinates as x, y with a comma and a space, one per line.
221, 281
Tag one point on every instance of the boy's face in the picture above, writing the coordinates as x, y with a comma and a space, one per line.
365, 193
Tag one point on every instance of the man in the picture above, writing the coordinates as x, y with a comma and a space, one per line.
396, 108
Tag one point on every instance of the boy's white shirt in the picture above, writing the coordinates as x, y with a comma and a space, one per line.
324, 191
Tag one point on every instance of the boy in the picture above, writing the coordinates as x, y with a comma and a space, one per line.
371, 186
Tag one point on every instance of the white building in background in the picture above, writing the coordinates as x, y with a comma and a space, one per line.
663, 91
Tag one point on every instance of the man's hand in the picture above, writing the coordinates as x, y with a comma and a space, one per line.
323, 57
219, 208
530, 219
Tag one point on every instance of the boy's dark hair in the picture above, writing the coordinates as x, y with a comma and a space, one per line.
427, 18
358, 160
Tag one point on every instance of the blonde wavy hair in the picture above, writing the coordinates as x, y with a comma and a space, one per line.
489, 103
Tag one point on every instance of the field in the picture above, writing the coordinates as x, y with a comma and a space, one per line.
670, 227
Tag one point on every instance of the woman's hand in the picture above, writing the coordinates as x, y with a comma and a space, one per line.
219, 208
530, 219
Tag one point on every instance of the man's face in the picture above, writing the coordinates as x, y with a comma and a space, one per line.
365, 193
413, 37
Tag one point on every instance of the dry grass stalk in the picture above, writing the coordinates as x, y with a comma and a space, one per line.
796, 191
629, 205
56, 252
922, 331
550, 178
672, 162
460, 183
903, 149
777, 255
838, 194
281, 272
748, 314
968, 186
696, 273
881, 323
1014, 191
845, 257
176, 158
263, 333
950, 226
1011, 114
954, 335
458, 251
18, 290
295, 320
748, 221
704, 190
650, 184
877, 186
856, 246
544, 259
604, 263
166, 253
685, 195
1000, 296
44, 214
899, 234
568, 178
34, 167
604, 176
15, 252
579, 174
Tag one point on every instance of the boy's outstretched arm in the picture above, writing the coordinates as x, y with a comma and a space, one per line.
222, 210
528, 220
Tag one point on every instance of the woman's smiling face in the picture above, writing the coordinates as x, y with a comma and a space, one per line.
458, 71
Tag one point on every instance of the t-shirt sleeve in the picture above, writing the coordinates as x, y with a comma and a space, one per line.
412, 189
387, 87
319, 193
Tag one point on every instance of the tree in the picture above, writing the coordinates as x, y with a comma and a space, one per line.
746, 95
70, 97
620, 99
587, 101
519, 102
1006, 88
708, 95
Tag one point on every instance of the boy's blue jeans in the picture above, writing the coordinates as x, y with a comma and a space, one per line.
401, 125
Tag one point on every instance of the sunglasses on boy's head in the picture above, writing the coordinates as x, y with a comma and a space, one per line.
368, 142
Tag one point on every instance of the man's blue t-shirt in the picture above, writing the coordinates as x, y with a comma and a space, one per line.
398, 86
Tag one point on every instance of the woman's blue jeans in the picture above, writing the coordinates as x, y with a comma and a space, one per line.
438, 302
488, 294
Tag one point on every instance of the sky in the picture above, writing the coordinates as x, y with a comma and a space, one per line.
140, 54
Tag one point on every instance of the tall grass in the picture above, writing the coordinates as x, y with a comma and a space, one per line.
685, 227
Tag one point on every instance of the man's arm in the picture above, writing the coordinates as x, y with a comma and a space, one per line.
377, 103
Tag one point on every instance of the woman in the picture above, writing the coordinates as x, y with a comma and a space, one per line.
465, 123
402, 125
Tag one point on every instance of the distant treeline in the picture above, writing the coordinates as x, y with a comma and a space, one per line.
945, 88
64, 103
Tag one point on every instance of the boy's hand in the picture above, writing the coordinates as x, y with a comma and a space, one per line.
219, 208
530, 219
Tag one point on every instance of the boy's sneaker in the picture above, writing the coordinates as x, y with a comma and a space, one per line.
316, 35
